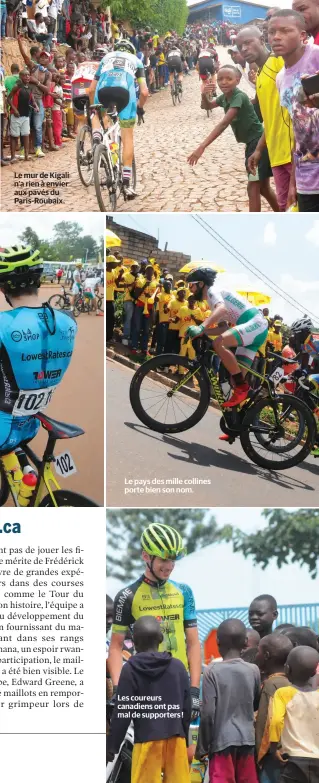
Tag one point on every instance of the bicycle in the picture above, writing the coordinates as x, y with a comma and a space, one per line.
63, 302
176, 90
88, 304
267, 422
65, 466
107, 162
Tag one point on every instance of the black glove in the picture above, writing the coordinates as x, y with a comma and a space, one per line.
195, 702
140, 112
299, 374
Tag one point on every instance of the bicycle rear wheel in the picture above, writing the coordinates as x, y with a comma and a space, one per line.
173, 94
100, 305
179, 92
105, 187
165, 400
84, 155
65, 497
283, 445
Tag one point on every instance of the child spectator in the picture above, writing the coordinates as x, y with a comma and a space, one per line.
20, 101
231, 690
10, 81
164, 300
294, 721
271, 658
57, 122
241, 116
152, 677
262, 614
67, 98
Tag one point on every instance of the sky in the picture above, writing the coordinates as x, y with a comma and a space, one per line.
12, 225
285, 247
222, 579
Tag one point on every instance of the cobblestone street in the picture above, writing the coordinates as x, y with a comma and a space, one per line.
165, 181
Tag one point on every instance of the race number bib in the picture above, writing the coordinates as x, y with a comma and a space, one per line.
64, 464
277, 376
32, 401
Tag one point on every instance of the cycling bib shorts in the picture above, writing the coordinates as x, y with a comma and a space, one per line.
174, 64
172, 604
32, 364
251, 327
206, 64
116, 77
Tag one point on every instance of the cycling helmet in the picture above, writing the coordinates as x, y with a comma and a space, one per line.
163, 541
303, 324
79, 264
20, 264
201, 275
124, 46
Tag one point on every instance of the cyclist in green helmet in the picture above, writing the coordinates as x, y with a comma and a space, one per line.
173, 605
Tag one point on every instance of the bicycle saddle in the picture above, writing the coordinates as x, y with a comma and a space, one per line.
58, 429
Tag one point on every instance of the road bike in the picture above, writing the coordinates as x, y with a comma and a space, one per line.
171, 394
176, 90
107, 162
46, 480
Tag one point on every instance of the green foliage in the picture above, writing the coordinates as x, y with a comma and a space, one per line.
161, 15
124, 528
67, 244
119, 311
290, 536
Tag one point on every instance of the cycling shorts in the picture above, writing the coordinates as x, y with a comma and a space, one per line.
75, 289
89, 295
175, 64
124, 99
206, 64
250, 336
14, 431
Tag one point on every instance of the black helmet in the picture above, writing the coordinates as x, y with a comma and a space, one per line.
300, 330
203, 274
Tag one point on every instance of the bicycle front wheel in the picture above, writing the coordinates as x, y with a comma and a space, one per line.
278, 433
57, 301
84, 155
169, 393
173, 94
105, 186
64, 497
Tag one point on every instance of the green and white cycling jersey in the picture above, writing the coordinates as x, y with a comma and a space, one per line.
250, 327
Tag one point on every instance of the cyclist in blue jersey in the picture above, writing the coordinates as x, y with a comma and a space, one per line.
303, 342
36, 347
114, 84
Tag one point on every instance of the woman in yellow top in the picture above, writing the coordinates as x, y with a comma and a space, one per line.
164, 300
128, 280
173, 341
189, 314
144, 294
113, 277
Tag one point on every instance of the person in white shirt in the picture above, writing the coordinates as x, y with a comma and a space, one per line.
76, 287
91, 289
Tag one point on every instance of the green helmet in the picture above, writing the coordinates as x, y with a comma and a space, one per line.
19, 263
163, 541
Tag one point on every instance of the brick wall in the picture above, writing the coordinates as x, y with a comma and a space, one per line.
137, 245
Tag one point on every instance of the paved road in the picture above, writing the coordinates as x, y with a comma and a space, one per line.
80, 400
137, 453
165, 180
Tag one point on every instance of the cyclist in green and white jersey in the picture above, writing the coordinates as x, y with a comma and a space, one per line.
248, 332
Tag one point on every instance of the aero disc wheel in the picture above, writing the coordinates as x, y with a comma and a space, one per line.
105, 187
165, 400
84, 155
278, 447
57, 301
64, 497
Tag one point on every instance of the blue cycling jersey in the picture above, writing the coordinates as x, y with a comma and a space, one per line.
119, 69
36, 347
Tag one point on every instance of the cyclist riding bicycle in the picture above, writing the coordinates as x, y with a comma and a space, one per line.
247, 335
36, 346
175, 59
303, 341
91, 289
154, 593
114, 84
206, 67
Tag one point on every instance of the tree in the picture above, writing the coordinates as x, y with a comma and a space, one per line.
124, 528
67, 235
30, 237
290, 536
48, 252
162, 15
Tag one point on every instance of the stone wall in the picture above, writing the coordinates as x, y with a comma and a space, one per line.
137, 245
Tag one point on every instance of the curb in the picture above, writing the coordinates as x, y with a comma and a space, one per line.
122, 359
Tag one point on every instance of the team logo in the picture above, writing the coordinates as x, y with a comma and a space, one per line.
25, 336
67, 334
46, 374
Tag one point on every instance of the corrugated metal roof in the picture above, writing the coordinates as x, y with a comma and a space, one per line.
298, 614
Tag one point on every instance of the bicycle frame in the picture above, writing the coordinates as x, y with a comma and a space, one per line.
45, 477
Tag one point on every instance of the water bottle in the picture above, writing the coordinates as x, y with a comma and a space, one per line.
27, 486
114, 147
12, 465
226, 389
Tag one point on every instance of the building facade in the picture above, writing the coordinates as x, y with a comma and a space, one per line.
240, 12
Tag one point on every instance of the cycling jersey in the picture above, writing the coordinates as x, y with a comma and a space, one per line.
174, 53
250, 326
311, 347
32, 364
172, 604
117, 72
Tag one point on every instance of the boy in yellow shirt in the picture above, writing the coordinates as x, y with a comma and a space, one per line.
173, 342
164, 300
129, 279
189, 314
113, 277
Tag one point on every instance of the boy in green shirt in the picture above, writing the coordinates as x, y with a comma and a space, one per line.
10, 81
241, 116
